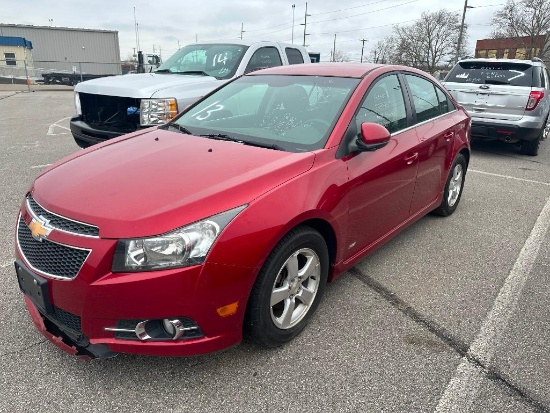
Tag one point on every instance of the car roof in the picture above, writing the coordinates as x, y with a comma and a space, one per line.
338, 69
357, 70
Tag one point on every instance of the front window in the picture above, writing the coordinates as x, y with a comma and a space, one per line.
217, 60
291, 113
494, 73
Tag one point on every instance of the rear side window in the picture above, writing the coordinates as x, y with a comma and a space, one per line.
263, 58
493, 73
294, 56
426, 102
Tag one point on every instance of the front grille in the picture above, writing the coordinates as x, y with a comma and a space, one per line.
110, 113
50, 258
65, 319
58, 222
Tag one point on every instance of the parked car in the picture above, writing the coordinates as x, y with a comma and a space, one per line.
508, 99
110, 107
231, 218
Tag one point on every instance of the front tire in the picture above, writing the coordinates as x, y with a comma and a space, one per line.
453, 187
288, 289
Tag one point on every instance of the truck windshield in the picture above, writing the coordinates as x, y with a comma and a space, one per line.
217, 60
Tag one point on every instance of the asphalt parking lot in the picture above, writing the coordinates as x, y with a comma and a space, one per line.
450, 316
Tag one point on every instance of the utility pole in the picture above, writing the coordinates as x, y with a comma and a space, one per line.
136, 29
305, 25
242, 31
293, 7
459, 42
334, 49
362, 48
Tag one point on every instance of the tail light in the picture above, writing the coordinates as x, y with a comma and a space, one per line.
534, 99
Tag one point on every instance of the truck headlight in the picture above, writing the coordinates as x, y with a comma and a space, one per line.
77, 103
182, 247
157, 111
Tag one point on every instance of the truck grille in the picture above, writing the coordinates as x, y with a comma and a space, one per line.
50, 258
110, 113
61, 223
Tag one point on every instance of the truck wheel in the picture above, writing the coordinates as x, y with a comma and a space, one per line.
530, 148
288, 289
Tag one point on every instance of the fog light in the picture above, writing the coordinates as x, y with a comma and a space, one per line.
173, 328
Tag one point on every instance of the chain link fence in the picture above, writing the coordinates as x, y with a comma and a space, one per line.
22, 72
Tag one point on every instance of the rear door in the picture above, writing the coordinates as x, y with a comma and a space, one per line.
493, 90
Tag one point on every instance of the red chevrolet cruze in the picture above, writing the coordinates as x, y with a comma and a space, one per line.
230, 220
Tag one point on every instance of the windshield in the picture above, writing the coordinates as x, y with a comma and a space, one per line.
497, 73
218, 60
291, 113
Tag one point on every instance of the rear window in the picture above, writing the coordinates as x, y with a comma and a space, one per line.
494, 73
294, 56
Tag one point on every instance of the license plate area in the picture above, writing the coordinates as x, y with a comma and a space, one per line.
34, 287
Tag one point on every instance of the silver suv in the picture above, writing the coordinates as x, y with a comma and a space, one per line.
508, 99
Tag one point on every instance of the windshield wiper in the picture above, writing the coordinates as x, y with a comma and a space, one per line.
162, 71
263, 145
496, 82
224, 137
178, 127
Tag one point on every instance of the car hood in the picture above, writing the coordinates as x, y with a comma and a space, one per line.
147, 85
157, 181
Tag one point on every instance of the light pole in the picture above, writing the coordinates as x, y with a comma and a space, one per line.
334, 49
51, 22
293, 7
459, 42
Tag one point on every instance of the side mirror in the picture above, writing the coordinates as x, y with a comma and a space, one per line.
373, 137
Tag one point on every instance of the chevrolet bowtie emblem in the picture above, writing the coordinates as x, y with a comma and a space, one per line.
40, 228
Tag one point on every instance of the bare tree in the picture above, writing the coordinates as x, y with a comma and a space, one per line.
430, 43
340, 56
384, 51
525, 19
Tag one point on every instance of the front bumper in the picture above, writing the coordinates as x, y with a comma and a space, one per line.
85, 133
81, 312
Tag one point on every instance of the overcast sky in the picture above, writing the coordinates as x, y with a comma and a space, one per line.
167, 25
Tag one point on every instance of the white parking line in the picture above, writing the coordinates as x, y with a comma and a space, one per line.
509, 177
55, 125
40, 166
461, 391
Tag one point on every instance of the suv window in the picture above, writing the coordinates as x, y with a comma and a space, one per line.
494, 73
294, 56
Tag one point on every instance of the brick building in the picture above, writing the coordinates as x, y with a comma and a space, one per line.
511, 47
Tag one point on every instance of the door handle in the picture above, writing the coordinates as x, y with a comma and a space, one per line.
449, 135
411, 158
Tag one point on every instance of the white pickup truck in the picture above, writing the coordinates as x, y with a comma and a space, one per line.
112, 106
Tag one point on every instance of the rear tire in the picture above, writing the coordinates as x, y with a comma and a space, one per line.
530, 148
288, 289
453, 187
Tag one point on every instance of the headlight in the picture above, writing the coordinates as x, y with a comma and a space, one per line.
179, 248
157, 111
77, 103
